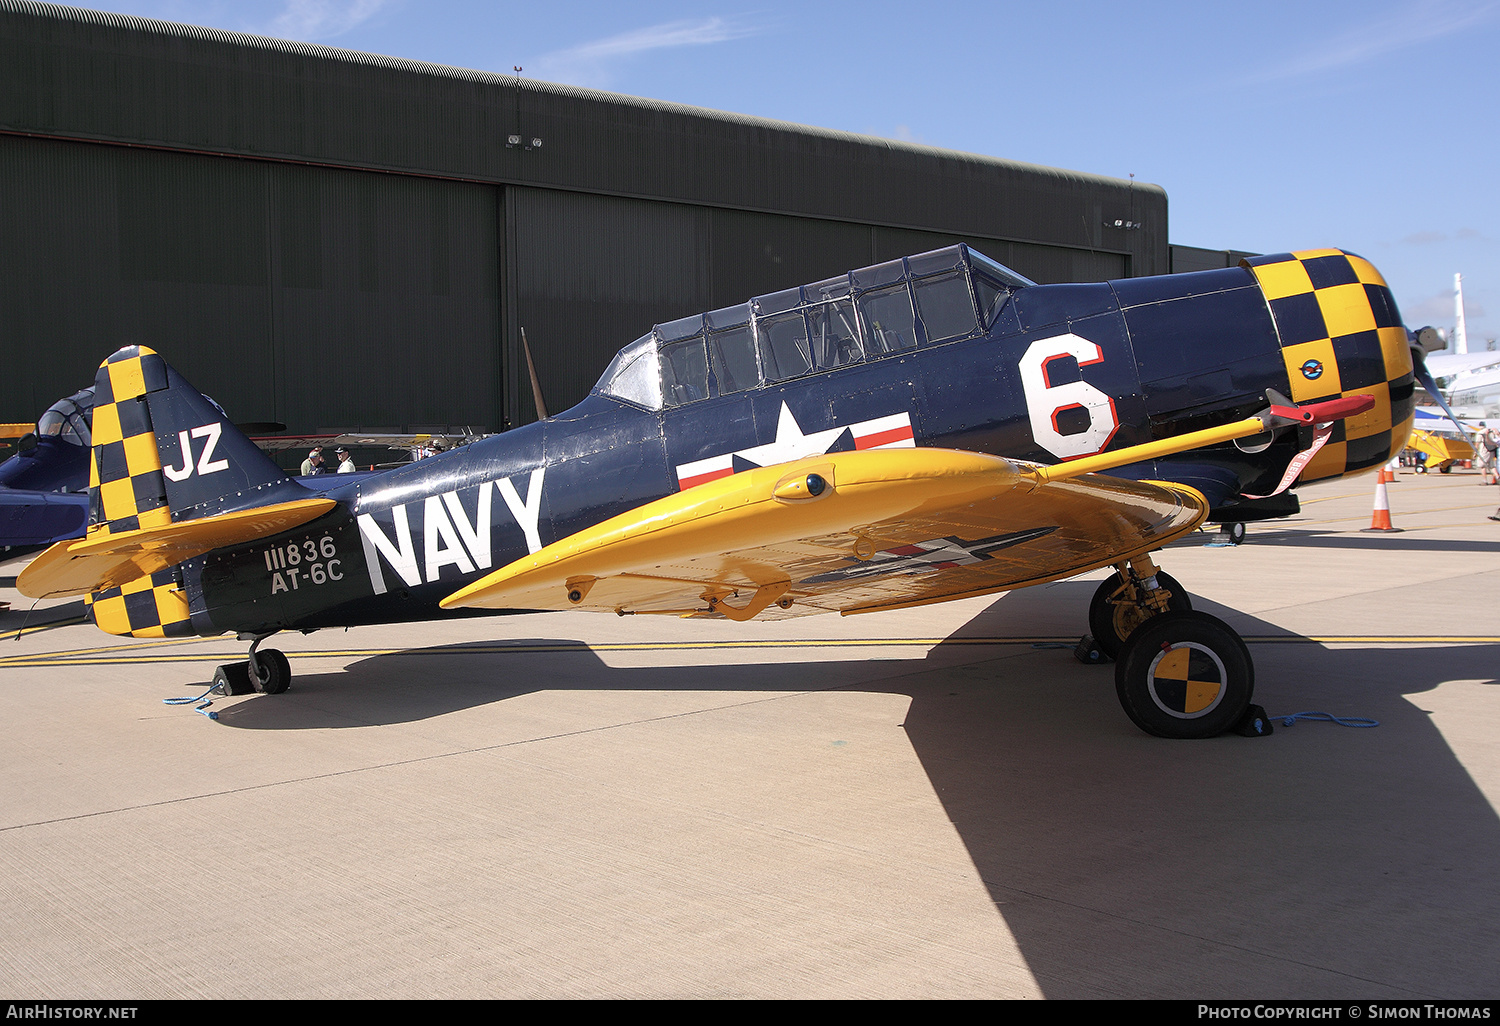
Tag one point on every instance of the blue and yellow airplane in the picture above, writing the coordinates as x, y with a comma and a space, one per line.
44, 486
931, 428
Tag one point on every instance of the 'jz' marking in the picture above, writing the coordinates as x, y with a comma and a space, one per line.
206, 463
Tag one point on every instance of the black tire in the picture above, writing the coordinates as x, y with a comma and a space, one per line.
276, 670
1236, 532
1185, 675
1111, 623
1445, 468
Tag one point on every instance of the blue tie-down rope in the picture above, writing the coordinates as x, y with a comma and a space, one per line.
1343, 721
202, 708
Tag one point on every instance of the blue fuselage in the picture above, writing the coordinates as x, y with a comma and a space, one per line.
1058, 371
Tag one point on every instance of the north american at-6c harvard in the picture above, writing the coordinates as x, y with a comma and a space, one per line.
931, 428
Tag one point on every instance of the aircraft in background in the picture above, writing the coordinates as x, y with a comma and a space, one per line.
1447, 366
1457, 362
931, 428
44, 486
1441, 444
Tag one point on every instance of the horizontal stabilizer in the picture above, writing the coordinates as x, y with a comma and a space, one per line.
849, 531
112, 560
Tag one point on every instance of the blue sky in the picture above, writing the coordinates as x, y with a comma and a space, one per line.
1273, 126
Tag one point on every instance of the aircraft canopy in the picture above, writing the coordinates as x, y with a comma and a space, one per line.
69, 419
868, 314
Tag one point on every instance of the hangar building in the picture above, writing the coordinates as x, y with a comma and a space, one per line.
330, 239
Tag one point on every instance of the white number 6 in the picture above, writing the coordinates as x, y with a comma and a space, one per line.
1044, 401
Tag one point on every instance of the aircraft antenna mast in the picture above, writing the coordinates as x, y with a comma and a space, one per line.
1460, 334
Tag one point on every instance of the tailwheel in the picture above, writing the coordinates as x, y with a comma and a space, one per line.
1122, 604
272, 671
1185, 675
1228, 536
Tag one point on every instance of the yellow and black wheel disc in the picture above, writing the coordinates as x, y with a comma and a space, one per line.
1185, 675
1187, 680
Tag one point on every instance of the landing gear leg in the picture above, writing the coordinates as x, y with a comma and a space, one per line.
268, 672
1136, 593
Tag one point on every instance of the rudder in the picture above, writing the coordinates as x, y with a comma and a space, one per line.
163, 452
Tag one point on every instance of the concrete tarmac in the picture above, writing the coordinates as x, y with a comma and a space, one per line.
926, 803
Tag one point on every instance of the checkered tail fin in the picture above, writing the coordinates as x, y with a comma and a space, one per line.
164, 452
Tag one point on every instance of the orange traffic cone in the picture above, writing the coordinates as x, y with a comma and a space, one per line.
1381, 520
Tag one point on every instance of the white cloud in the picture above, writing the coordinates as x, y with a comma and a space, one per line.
311, 20
591, 64
1434, 309
1413, 24
1429, 236
1438, 309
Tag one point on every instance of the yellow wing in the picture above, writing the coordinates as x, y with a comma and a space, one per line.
852, 532
1440, 447
103, 561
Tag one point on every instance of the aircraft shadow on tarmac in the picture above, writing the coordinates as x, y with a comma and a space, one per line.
1321, 861
1313, 539
1311, 863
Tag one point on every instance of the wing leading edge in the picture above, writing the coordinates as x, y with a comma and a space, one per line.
848, 532
856, 532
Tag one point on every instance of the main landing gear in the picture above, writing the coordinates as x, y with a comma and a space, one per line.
268, 672
1136, 593
1178, 673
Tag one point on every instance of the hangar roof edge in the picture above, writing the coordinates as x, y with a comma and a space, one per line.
108, 18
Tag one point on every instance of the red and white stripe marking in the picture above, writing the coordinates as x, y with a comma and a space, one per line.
703, 471
893, 432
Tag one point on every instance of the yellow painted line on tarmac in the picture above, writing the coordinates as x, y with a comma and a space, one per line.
128, 655
136, 646
1395, 513
122, 653
1330, 498
1380, 639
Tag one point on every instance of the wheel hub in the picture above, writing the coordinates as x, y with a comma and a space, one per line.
1186, 680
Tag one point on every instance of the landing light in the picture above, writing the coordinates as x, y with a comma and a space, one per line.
802, 486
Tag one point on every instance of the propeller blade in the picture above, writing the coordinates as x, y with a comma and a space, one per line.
1419, 369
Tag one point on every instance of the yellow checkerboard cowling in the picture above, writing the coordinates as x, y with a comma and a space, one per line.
126, 488
1341, 334
148, 607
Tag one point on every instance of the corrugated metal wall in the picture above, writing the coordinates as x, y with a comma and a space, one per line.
594, 272
1186, 259
313, 296
334, 239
